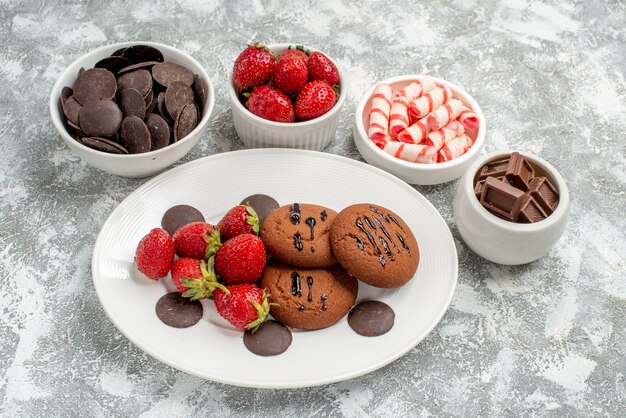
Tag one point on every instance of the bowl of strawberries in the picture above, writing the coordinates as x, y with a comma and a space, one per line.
285, 95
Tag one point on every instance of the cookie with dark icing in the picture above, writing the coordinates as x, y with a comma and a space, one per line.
297, 234
309, 298
374, 245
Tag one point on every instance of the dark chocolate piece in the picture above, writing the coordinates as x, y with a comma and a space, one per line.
131, 103
544, 193
272, 338
133, 67
166, 73
140, 80
185, 122
262, 204
519, 173
118, 52
71, 109
113, 64
66, 92
142, 53
178, 311
371, 318
76, 128
159, 131
201, 92
502, 198
163, 110
177, 96
180, 215
493, 168
147, 99
101, 118
135, 135
95, 84
103, 144
531, 211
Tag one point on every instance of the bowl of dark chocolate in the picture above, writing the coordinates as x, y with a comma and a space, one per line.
511, 207
132, 108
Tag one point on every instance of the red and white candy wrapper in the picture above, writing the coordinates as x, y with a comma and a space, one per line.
455, 148
417, 88
399, 119
379, 115
416, 153
439, 117
381, 142
468, 118
415, 133
422, 106
444, 135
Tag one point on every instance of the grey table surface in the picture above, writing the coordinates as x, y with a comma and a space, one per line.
543, 339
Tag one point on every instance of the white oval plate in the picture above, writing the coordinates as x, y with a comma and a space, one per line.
212, 349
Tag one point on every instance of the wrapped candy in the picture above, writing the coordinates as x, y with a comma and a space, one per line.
422, 106
379, 115
468, 118
417, 153
444, 135
399, 119
415, 133
417, 88
455, 148
443, 114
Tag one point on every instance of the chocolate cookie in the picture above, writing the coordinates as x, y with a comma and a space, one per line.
309, 298
297, 234
374, 245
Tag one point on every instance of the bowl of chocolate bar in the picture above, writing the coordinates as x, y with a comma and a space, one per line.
422, 129
511, 207
132, 108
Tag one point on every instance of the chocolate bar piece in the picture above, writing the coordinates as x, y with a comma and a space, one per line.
502, 198
494, 169
480, 186
519, 172
544, 193
531, 211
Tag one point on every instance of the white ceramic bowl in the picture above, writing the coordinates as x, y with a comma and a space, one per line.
256, 132
415, 173
502, 241
130, 165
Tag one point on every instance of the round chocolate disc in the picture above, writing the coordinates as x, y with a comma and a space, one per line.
95, 84
134, 67
185, 122
161, 108
103, 144
142, 53
180, 215
153, 103
74, 127
140, 80
100, 118
200, 91
272, 338
262, 204
166, 73
113, 64
71, 109
135, 135
66, 92
177, 96
178, 311
159, 131
371, 318
131, 103
119, 52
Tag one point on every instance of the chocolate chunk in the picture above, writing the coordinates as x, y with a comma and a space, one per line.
76, 129
71, 109
177, 96
113, 64
178, 311
131, 103
103, 144
371, 318
502, 198
166, 73
530, 211
262, 204
544, 193
95, 84
272, 338
66, 92
119, 52
163, 110
152, 105
159, 131
140, 80
201, 93
519, 173
147, 99
81, 70
180, 215
134, 67
185, 122
494, 168
135, 135
142, 53
100, 118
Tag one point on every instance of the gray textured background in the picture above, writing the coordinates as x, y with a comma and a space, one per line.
545, 339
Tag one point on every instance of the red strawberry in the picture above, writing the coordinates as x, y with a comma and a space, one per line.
253, 67
195, 279
245, 306
316, 98
155, 254
191, 240
290, 74
298, 52
241, 219
271, 104
240, 259
321, 68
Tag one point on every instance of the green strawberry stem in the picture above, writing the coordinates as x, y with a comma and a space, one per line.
203, 288
263, 309
213, 242
253, 219
301, 48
